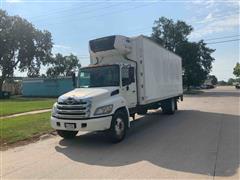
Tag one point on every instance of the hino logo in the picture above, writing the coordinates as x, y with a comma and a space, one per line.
70, 101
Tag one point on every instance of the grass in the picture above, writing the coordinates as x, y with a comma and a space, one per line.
18, 105
24, 127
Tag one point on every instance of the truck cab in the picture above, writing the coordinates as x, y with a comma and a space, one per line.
106, 90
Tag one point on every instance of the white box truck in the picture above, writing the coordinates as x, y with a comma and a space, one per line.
125, 76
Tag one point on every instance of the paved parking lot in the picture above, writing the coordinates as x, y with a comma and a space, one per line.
200, 141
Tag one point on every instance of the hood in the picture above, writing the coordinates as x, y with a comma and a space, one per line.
83, 93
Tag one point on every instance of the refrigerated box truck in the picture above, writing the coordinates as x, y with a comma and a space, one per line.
125, 76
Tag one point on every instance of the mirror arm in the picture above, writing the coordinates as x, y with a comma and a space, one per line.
74, 79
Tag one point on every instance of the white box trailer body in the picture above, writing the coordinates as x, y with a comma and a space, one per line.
159, 71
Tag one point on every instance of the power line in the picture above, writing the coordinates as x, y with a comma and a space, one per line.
88, 11
88, 56
216, 17
116, 3
224, 37
223, 41
99, 1
137, 30
104, 14
58, 11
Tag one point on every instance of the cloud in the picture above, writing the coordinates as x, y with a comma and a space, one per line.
233, 3
58, 46
209, 16
206, 3
217, 25
213, 16
65, 50
207, 19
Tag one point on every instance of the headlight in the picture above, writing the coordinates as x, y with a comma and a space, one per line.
104, 110
54, 109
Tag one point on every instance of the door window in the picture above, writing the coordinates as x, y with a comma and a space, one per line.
127, 75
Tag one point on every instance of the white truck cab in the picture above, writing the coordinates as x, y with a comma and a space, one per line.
113, 88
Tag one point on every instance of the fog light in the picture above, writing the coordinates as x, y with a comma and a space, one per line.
84, 125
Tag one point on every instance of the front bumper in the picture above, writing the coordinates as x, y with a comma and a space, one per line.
93, 124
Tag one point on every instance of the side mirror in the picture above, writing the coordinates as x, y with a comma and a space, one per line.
74, 79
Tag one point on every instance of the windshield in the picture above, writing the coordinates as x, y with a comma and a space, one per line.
101, 76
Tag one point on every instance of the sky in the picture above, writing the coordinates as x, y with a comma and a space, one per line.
73, 23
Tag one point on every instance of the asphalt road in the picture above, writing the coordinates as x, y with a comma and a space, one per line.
200, 141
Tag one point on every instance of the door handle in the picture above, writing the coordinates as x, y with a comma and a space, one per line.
133, 91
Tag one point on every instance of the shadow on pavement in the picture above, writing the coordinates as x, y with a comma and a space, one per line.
190, 141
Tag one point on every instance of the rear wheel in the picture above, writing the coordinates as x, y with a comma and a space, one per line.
67, 134
169, 106
175, 102
118, 128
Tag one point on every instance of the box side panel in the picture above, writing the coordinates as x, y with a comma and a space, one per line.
162, 73
138, 48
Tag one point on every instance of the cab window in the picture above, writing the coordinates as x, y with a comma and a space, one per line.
127, 75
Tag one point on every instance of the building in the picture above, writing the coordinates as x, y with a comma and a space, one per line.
46, 87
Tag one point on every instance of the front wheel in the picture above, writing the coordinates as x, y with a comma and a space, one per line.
118, 128
67, 134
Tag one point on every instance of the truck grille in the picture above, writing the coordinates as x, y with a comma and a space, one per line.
76, 110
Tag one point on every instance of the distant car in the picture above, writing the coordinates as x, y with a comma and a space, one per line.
197, 87
207, 86
237, 86
210, 86
203, 86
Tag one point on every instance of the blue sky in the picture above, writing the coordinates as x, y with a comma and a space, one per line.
73, 23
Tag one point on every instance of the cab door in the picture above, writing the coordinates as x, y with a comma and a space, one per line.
128, 84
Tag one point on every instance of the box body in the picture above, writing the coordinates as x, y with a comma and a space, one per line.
159, 71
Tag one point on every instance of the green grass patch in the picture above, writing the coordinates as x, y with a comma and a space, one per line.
25, 127
18, 105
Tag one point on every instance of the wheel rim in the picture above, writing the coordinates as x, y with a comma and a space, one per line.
119, 127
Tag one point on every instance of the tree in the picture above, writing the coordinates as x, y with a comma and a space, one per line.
22, 47
196, 62
236, 70
63, 65
231, 81
196, 56
213, 79
169, 34
222, 83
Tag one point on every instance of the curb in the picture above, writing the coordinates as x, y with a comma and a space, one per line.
25, 113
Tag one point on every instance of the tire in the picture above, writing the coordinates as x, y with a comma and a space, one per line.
67, 134
176, 105
169, 106
118, 127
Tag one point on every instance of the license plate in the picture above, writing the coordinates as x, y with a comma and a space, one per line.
70, 126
